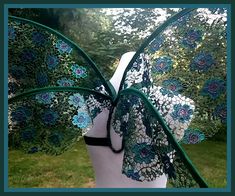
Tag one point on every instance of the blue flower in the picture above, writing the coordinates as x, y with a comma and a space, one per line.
221, 112
21, 114
41, 79
163, 65
79, 71
76, 100
38, 38
133, 175
193, 136
50, 117
82, 120
17, 72
45, 98
173, 85
167, 92
143, 153
52, 61
55, 139
11, 33
156, 44
65, 82
191, 38
182, 113
28, 55
202, 62
213, 88
28, 134
63, 47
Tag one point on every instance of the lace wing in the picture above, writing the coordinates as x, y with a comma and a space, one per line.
55, 89
180, 72
187, 56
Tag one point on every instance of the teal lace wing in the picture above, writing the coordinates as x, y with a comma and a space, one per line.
54, 89
151, 148
180, 72
186, 56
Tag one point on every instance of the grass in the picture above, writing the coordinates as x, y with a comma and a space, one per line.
73, 169
210, 159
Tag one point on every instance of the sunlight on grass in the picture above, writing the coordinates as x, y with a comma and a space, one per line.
73, 169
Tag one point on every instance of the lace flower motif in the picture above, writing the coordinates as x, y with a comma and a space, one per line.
63, 47
65, 82
202, 62
173, 85
28, 55
143, 153
28, 134
76, 100
213, 88
52, 62
191, 38
193, 136
182, 113
163, 65
50, 117
78, 71
45, 98
38, 38
81, 120
21, 114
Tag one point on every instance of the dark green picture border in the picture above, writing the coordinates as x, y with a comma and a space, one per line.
99, 3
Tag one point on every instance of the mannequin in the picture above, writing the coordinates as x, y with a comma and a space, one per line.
107, 164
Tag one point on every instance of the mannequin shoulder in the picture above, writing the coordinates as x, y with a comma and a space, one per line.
128, 55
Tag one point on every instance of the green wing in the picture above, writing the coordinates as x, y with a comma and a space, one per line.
173, 91
55, 89
187, 56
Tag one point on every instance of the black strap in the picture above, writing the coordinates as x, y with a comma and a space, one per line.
95, 141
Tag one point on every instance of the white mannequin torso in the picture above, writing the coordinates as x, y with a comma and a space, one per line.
107, 164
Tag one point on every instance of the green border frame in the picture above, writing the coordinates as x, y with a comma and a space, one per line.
125, 3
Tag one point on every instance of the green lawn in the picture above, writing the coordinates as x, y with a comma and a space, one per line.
73, 168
